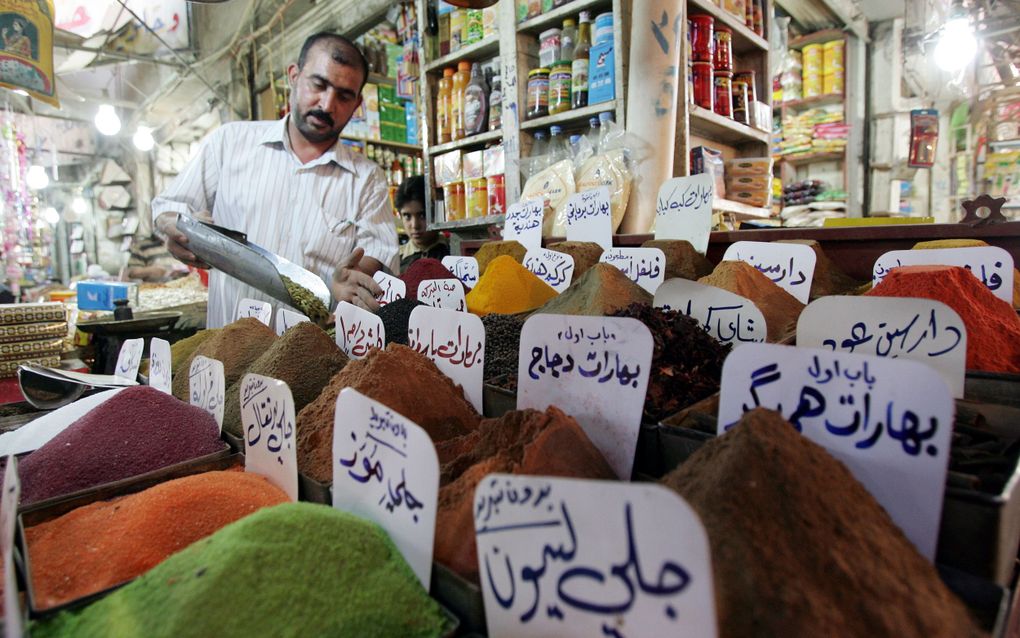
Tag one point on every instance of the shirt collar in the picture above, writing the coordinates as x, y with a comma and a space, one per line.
339, 154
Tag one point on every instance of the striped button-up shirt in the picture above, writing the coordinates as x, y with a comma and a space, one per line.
313, 214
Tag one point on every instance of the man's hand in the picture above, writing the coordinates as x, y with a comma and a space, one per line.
176, 241
351, 285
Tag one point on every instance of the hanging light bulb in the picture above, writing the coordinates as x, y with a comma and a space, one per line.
51, 216
143, 139
37, 178
956, 46
106, 120
79, 205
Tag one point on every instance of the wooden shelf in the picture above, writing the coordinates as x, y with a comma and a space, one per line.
474, 140
400, 145
811, 102
481, 50
801, 159
571, 116
471, 222
744, 39
713, 126
378, 78
740, 210
555, 17
818, 37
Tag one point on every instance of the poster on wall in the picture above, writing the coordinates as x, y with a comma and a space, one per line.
26, 48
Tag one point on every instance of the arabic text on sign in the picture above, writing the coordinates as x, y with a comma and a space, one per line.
270, 420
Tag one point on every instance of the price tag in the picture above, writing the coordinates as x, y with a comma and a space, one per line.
888, 420
267, 416
790, 266
726, 316
385, 469
683, 210
128, 359
991, 264
205, 386
589, 217
566, 557
8, 527
287, 319
594, 369
455, 341
261, 310
552, 267
644, 266
159, 365
463, 268
896, 327
358, 330
524, 223
393, 288
442, 293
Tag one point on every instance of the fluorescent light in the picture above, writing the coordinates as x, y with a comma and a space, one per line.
956, 46
21, 92
79, 205
143, 139
51, 216
37, 178
106, 120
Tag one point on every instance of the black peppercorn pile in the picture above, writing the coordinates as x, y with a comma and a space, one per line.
502, 342
395, 316
686, 360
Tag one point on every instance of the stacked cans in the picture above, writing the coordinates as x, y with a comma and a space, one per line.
833, 67
702, 35
722, 59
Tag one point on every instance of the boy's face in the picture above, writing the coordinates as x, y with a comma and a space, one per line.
413, 214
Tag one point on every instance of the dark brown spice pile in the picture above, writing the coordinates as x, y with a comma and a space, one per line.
686, 360
502, 346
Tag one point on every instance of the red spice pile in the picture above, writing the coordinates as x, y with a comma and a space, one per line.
993, 327
423, 269
104, 544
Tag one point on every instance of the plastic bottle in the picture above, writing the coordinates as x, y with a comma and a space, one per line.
539, 148
579, 64
443, 107
568, 39
460, 82
496, 104
476, 103
558, 145
592, 135
606, 125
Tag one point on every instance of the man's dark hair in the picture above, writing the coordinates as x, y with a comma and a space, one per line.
412, 190
344, 52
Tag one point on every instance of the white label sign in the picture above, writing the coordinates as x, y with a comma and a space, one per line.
789, 266
358, 330
393, 288
726, 316
267, 416
589, 217
644, 266
990, 264
205, 386
128, 359
8, 527
552, 267
593, 368
287, 319
888, 420
463, 268
565, 557
455, 341
684, 210
524, 223
442, 293
896, 327
261, 310
385, 469
159, 365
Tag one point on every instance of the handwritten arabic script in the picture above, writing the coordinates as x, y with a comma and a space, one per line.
260, 310
555, 554
463, 268
589, 217
524, 223
728, 317
683, 210
442, 293
358, 330
393, 288
267, 417
129, 358
552, 267
992, 265
644, 266
159, 365
455, 342
205, 386
789, 266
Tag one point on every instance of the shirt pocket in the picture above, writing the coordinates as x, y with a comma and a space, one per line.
332, 239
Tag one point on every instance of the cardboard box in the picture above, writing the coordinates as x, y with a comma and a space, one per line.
31, 331
17, 313
447, 168
602, 73
100, 295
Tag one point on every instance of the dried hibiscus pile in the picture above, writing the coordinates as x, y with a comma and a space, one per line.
686, 360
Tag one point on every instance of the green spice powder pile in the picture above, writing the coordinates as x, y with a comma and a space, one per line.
296, 569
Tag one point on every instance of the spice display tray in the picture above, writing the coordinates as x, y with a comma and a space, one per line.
460, 595
42, 512
313, 491
157, 476
992, 387
988, 602
236, 443
497, 401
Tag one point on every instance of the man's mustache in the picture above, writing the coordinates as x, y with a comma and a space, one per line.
322, 115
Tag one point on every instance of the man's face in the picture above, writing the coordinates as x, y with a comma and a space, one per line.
413, 214
324, 94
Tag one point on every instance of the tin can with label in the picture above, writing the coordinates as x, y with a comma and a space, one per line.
724, 93
496, 191
723, 56
703, 91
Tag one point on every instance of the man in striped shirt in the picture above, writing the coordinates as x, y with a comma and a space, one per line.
292, 187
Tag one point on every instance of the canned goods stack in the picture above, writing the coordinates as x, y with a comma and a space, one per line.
723, 71
833, 67
812, 70
702, 35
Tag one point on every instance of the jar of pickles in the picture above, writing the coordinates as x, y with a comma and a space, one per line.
559, 87
538, 92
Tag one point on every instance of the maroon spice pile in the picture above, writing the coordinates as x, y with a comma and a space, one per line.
686, 360
139, 430
423, 269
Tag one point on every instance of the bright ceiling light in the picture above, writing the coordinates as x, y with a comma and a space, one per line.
107, 121
79, 205
37, 178
51, 216
21, 92
956, 46
143, 139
